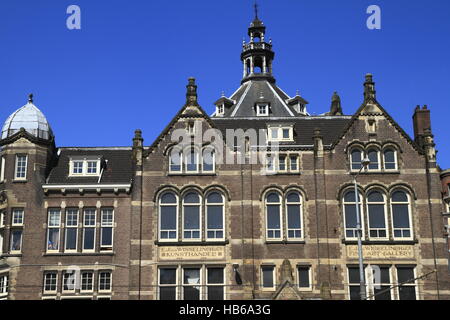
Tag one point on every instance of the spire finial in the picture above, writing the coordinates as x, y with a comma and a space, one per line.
191, 94
30, 98
256, 10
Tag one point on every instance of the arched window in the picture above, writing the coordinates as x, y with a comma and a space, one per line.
376, 210
208, 159
350, 218
374, 158
214, 216
356, 157
168, 216
401, 215
191, 216
175, 160
273, 216
191, 160
294, 216
390, 159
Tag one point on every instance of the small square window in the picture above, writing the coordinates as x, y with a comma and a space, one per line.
17, 217
77, 167
286, 133
262, 110
92, 167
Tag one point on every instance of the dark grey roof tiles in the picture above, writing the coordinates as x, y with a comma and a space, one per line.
119, 168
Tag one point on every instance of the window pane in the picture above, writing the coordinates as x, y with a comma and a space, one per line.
168, 198
208, 160
355, 293
350, 216
286, 133
375, 197
89, 235
373, 157
273, 198
175, 161
54, 218
168, 217
215, 275
16, 240
191, 161
294, 221
273, 216
215, 217
303, 277
192, 217
376, 216
382, 296
167, 293
407, 292
400, 215
107, 236
215, 293
399, 196
53, 239
215, 198
71, 238
389, 160
356, 159
405, 274
353, 275
267, 275
167, 276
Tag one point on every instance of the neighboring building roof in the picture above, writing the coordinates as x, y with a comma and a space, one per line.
31, 119
118, 169
330, 127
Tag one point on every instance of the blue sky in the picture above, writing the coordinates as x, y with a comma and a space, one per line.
128, 66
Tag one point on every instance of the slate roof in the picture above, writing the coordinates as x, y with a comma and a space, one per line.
250, 92
331, 127
119, 167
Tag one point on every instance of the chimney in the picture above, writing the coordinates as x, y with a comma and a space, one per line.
369, 88
191, 94
421, 122
138, 147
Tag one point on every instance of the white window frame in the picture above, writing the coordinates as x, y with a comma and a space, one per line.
92, 281
75, 274
390, 148
16, 171
220, 109
11, 242
300, 204
409, 284
177, 278
361, 150
50, 227
361, 215
201, 281
177, 208
273, 159
181, 162
386, 224
199, 204
207, 284
280, 205
274, 281
1, 242
285, 156
279, 129
55, 282
2, 219
309, 288
411, 228
380, 165
262, 110
85, 166
4, 286
370, 290
69, 227
100, 281
94, 226
223, 217
186, 154
104, 224
2, 170
13, 218
213, 152
297, 162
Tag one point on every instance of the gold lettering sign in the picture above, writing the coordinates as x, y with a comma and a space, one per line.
382, 251
192, 253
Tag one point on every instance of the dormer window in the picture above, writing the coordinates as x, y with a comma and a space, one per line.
220, 109
89, 166
262, 110
280, 133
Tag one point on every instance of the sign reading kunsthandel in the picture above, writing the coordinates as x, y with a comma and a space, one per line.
192, 253
382, 251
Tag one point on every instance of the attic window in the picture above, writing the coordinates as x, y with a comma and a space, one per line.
80, 166
262, 110
220, 109
280, 133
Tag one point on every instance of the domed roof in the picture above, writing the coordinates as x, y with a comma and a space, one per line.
31, 119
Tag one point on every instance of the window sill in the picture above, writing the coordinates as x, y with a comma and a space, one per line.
8, 255
206, 174
282, 173
374, 172
374, 242
285, 242
191, 243
52, 254
20, 181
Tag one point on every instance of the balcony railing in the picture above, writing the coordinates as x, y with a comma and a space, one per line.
257, 45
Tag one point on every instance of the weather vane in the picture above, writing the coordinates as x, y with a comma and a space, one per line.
256, 10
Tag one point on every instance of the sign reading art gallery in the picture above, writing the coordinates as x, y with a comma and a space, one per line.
382, 251
192, 253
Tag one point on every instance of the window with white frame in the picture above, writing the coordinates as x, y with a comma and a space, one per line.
282, 163
377, 219
2, 219
270, 163
17, 217
191, 216
104, 281
175, 161
16, 240
215, 216
268, 277
293, 163
191, 161
2, 226
167, 284
69, 281
87, 281
273, 216
215, 283
84, 166
350, 217
50, 282
304, 277
354, 283
17, 222
379, 282
21, 167
2, 170
356, 156
390, 159
208, 159
191, 284
107, 229
262, 110
71, 239
89, 224
220, 109
3, 286
53, 232
280, 133
374, 157
401, 215
168, 217
407, 289
294, 216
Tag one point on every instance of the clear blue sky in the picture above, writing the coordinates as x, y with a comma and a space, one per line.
128, 66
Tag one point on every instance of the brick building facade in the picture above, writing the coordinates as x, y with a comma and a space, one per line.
263, 210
